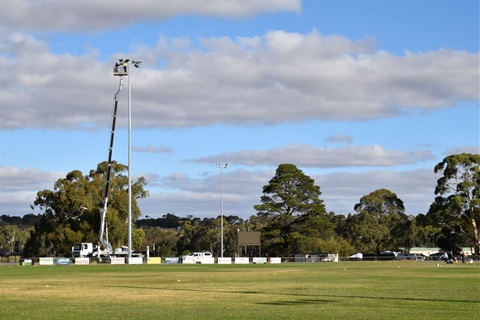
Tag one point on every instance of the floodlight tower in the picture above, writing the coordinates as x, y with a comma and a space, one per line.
221, 211
122, 68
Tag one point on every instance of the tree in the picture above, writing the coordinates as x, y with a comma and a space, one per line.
292, 211
380, 219
457, 206
13, 237
72, 211
162, 241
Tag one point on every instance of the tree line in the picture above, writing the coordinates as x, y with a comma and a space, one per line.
291, 217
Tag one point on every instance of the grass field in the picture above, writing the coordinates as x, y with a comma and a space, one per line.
344, 290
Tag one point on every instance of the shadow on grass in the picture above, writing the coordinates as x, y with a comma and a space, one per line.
310, 299
296, 302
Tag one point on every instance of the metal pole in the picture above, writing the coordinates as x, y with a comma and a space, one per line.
221, 217
130, 161
221, 211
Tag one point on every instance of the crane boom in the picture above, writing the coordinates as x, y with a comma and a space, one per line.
103, 241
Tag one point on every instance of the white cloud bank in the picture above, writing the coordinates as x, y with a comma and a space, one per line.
67, 15
276, 78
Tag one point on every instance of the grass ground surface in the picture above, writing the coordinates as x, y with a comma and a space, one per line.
344, 290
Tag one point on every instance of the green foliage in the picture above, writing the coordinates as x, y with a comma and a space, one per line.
292, 212
379, 222
457, 207
72, 211
162, 242
291, 217
13, 238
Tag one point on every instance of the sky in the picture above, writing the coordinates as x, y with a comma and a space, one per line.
358, 94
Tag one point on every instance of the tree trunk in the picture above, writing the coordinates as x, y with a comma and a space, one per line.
475, 235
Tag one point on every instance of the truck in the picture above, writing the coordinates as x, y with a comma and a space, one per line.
88, 249
198, 257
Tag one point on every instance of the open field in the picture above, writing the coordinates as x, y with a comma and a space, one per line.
344, 290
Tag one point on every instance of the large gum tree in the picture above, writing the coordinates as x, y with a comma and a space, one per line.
71, 211
457, 205
379, 222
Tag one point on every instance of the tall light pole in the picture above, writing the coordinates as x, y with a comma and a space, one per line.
137, 65
123, 68
221, 211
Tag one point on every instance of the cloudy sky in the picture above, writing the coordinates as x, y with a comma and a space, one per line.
359, 95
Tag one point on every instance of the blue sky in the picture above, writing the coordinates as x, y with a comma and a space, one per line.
360, 95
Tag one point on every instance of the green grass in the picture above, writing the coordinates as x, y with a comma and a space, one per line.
344, 290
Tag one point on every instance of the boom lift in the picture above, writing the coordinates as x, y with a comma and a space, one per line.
104, 248
120, 69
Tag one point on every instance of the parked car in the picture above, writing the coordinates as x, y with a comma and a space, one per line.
410, 256
438, 256
198, 257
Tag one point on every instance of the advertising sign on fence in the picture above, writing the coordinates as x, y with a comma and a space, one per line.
117, 260
45, 261
275, 260
62, 261
173, 260
26, 262
224, 260
135, 260
242, 260
259, 260
82, 260
154, 260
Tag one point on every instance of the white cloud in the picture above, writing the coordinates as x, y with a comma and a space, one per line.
243, 189
17, 179
19, 187
183, 195
150, 148
342, 190
230, 81
324, 157
464, 149
339, 138
66, 15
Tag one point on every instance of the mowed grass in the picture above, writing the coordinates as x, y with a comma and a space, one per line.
344, 290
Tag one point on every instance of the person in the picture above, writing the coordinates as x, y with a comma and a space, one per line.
125, 66
462, 255
450, 257
445, 256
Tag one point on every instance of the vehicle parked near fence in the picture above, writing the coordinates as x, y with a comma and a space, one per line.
410, 256
198, 257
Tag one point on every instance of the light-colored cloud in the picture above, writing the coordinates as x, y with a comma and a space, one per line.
324, 157
342, 190
339, 138
17, 179
66, 15
150, 148
465, 149
243, 189
180, 194
237, 81
19, 187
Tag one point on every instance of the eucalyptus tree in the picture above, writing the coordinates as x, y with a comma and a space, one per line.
71, 211
457, 206
379, 221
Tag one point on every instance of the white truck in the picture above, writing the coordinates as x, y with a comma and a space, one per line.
198, 257
87, 249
